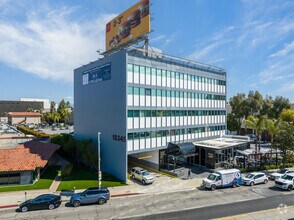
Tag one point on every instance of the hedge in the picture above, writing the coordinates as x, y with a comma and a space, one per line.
261, 168
26, 130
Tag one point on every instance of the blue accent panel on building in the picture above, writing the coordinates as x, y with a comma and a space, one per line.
102, 107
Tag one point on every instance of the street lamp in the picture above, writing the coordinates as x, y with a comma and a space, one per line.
98, 165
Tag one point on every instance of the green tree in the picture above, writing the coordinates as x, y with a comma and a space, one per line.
52, 107
253, 103
55, 117
62, 110
287, 115
284, 140
232, 123
279, 104
272, 128
267, 107
237, 103
258, 125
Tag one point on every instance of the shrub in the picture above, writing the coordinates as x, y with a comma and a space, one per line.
26, 130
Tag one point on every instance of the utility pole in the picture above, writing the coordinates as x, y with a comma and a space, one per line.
99, 172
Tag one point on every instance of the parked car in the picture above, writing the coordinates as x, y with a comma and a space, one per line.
46, 201
275, 176
90, 196
142, 175
255, 178
223, 178
285, 182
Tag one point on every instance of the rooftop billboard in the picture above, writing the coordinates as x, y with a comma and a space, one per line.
129, 25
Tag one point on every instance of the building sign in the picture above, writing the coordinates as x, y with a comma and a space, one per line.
97, 74
129, 25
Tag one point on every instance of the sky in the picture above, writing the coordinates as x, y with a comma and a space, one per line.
42, 42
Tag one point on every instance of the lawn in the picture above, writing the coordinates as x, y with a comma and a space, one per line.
43, 183
82, 178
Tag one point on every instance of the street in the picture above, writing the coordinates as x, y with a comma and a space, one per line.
185, 204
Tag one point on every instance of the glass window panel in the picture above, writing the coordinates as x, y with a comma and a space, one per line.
130, 113
148, 113
142, 69
130, 90
153, 92
130, 67
148, 92
142, 113
163, 93
136, 91
153, 72
130, 136
136, 68
158, 92
148, 70
136, 113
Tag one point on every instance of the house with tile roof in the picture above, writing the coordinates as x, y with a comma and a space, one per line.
23, 164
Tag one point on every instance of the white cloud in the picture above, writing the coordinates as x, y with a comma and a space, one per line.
49, 43
287, 49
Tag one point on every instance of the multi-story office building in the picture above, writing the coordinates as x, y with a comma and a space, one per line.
141, 103
19, 106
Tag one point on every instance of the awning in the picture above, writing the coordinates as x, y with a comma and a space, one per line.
183, 149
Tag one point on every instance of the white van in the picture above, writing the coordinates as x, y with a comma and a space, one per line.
223, 178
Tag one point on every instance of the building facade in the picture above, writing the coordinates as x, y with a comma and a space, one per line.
19, 106
15, 118
141, 103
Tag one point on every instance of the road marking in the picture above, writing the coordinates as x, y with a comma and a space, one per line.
249, 213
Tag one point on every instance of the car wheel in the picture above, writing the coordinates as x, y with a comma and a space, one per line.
252, 183
76, 203
213, 187
51, 206
133, 177
101, 201
265, 181
290, 188
24, 209
234, 185
144, 182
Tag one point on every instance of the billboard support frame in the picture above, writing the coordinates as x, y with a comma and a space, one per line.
127, 44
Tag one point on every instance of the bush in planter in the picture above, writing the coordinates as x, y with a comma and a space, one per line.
67, 170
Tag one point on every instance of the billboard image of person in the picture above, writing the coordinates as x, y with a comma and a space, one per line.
129, 25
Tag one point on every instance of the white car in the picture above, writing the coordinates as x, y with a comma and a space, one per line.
275, 176
285, 182
142, 175
255, 178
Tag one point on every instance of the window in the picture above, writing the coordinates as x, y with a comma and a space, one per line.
130, 90
153, 72
148, 92
153, 113
158, 72
136, 136
142, 135
164, 93
158, 91
136, 113
148, 113
142, 69
142, 113
142, 91
148, 70
153, 92
136, 68
130, 113
130, 136
130, 67
136, 91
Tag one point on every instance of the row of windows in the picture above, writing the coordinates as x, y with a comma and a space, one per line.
171, 74
172, 132
172, 93
167, 113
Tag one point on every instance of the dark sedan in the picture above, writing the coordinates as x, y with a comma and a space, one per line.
46, 201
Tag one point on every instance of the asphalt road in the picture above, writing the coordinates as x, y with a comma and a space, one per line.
219, 211
188, 204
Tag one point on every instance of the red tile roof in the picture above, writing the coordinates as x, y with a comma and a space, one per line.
27, 156
31, 114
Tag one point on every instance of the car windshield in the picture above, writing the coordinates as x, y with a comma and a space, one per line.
145, 173
287, 177
211, 177
249, 176
282, 171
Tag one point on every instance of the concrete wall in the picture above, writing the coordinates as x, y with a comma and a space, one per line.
150, 159
101, 106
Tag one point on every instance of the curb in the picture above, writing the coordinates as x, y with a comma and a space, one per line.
9, 207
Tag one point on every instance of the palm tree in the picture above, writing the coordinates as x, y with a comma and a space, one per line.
272, 128
258, 125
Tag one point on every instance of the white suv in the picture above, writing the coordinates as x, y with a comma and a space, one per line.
255, 178
285, 182
275, 176
142, 175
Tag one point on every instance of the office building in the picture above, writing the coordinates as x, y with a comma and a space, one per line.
140, 101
